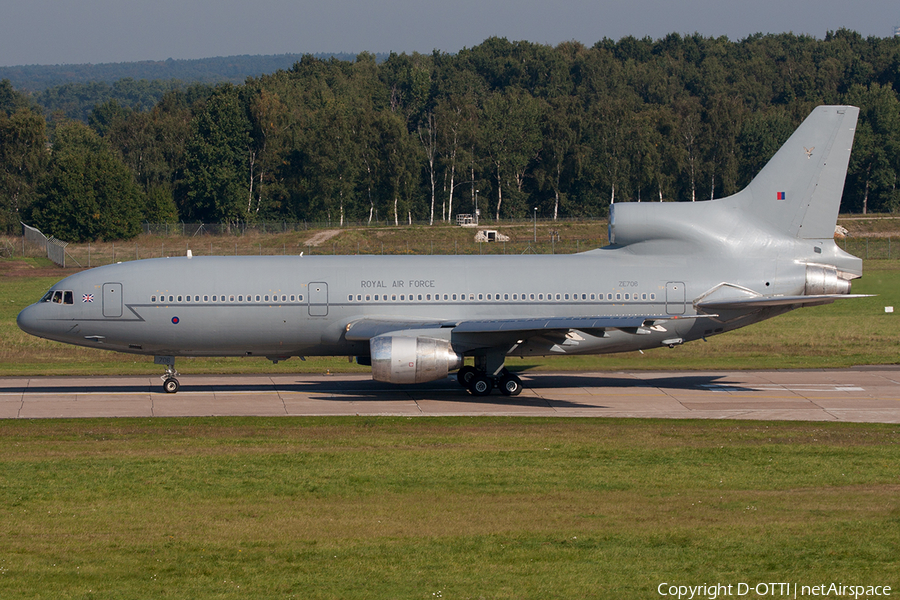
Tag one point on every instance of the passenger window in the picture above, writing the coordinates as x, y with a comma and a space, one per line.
368, 298
540, 296
481, 296
609, 296
454, 296
358, 297
292, 297
196, 298
180, 298
153, 299
557, 296
618, 296
653, 296
171, 298
506, 296
643, 296
206, 298
420, 296
301, 297
188, 298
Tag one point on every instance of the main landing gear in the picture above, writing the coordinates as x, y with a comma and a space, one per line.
479, 383
170, 383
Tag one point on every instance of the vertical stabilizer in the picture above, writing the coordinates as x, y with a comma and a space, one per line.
799, 190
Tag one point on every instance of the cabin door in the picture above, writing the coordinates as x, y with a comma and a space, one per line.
112, 299
318, 299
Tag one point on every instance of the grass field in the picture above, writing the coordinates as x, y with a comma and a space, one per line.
452, 507
425, 508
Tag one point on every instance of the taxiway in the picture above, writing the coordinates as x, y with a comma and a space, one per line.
865, 394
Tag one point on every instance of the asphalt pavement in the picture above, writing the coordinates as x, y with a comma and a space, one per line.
865, 394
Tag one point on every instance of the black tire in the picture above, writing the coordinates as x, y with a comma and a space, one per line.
171, 385
465, 375
481, 385
510, 385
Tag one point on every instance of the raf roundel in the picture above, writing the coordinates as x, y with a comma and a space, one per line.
175, 320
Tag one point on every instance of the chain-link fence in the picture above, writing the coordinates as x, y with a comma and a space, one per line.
55, 249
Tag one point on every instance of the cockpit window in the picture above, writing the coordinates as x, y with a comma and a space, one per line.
59, 297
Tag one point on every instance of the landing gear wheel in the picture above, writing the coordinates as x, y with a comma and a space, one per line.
510, 385
481, 385
465, 375
171, 385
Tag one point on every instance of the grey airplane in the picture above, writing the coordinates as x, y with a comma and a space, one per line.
672, 273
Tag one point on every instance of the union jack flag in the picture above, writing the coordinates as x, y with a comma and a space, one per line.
87, 298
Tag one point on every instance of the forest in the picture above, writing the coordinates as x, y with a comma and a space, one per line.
512, 128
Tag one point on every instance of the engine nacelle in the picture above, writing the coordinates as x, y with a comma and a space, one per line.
821, 279
397, 359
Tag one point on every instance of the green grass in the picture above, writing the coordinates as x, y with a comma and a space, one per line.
843, 334
446, 507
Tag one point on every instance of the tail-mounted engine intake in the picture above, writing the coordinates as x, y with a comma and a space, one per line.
824, 280
397, 359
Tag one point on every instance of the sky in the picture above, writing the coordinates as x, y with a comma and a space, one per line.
109, 31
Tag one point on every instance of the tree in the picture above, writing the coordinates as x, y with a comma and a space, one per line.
875, 161
88, 193
217, 160
510, 134
561, 131
23, 159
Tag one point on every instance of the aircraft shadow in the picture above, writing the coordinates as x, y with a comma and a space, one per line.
366, 390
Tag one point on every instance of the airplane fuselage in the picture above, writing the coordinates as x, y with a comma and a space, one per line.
282, 306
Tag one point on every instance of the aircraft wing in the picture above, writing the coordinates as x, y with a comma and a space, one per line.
365, 329
768, 301
501, 331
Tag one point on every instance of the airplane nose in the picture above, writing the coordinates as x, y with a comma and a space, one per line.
27, 321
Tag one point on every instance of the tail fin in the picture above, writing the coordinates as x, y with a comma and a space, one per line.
799, 190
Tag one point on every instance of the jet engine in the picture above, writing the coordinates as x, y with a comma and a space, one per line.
821, 279
397, 359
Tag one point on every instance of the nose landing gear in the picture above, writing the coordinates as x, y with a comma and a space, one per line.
170, 383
